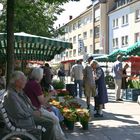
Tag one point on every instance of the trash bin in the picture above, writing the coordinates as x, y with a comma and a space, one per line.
71, 89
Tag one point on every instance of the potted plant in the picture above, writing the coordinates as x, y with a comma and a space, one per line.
83, 115
133, 90
70, 117
57, 84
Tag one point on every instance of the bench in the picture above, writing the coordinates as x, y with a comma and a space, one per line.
14, 131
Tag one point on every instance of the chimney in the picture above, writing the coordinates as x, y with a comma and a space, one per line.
70, 17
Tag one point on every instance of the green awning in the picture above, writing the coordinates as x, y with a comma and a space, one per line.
32, 47
134, 49
103, 58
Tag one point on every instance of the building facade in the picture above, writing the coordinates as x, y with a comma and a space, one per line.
124, 22
88, 33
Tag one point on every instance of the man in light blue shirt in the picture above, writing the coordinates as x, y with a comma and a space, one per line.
117, 74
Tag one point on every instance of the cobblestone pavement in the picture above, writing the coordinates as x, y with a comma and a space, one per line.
121, 121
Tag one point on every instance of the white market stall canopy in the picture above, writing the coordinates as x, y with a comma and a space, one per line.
32, 47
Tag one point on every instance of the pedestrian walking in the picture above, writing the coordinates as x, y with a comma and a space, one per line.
101, 91
61, 74
77, 75
88, 82
117, 75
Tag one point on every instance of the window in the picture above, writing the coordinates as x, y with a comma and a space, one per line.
90, 17
70, 28
124, 19
91, 48
70, 40
115, 23
74, 39
66, 29
85, 35
122, 2
115, 43
138, 14
124, 40
91, 32
79, 23
74, 52
96, 31
97, 14
85, 48
79, 36
70, 53
66, 54
137, 37
74, 26
86, 20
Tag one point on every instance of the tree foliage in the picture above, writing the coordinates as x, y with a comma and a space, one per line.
35, 16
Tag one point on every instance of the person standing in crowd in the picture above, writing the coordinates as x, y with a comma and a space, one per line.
77, 75
34, 92
88, 82
61, 74
47, 77
20, 110
124, 79
117, 75
101, 91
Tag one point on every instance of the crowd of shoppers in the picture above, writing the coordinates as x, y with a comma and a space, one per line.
30, 107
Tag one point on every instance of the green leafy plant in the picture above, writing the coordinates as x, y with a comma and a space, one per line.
57, 84
83, 115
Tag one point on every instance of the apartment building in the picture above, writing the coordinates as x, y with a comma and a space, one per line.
124, 22
91, 28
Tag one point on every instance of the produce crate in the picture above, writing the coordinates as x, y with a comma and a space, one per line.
131, 94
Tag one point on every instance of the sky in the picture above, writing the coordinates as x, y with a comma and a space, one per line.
72, 8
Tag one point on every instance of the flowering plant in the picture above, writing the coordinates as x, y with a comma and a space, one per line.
68, 98
62, 92
56, 103
69, 114
83, 115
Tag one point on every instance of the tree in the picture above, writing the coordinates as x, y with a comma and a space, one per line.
34, 17
10, 31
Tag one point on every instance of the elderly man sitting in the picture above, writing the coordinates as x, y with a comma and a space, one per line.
20, 110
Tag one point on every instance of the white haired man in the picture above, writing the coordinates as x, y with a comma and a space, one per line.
117, 74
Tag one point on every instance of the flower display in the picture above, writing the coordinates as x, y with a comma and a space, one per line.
72, 111
69, 114
83, 115
56, 104
62, 92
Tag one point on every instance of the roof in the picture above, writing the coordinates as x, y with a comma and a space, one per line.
32, 47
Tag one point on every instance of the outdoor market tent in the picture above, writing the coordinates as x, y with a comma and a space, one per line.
126, 52
32, 47
134, 49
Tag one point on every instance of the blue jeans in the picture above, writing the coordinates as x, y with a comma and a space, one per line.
80, 83
57, 113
